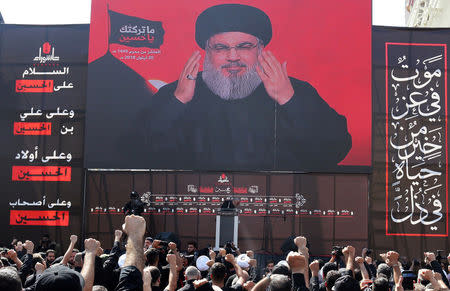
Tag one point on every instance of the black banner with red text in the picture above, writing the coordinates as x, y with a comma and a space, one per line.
43, 94
409, 199
328, 209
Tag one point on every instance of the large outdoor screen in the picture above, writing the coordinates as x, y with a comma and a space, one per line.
229, 85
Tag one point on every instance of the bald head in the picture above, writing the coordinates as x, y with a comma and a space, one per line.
192, 273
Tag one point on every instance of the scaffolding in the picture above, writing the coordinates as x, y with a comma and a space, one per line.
423, 12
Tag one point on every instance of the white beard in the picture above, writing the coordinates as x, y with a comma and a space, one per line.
232, 87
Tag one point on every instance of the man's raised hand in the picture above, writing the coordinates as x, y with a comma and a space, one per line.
212, 255
91, 245
186, 82
29, 246
359, 260
117, 234
392, 258
314, 267
296, 262
275, 78
300, 241
134, 226
73, 239
230, 258
172, 246
12, 254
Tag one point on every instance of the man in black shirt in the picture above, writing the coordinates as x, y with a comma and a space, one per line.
243, 111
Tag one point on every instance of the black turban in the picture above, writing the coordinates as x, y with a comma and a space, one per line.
232, 17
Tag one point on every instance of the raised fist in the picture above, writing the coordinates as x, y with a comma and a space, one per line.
29, 246
359, 260
392, 257
296, 261
134, 226
91, 245
250, 254
173, 246
118, 233
212, 255
73, 238
349, 251
426, 274
39, 268
171, 259
222, 252
12, 254
300, 241
314, 266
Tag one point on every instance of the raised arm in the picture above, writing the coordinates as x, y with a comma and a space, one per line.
349, 253
392, 261
147, 278
239, 273
314, 282
13, 256
73, 241
173, 247
134, 227
212, 256
173, 275
299, 268
91, 247
111, 262
360, 262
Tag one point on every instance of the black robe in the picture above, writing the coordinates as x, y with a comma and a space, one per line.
253, 133
116, 94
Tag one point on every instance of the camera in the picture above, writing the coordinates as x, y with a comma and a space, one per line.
337, 251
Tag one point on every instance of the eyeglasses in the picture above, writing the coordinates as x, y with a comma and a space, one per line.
242, 47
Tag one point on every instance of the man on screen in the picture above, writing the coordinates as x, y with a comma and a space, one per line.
243, 111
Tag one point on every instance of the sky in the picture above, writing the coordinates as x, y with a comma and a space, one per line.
384, 12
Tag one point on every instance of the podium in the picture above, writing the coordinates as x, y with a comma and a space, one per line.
227, 222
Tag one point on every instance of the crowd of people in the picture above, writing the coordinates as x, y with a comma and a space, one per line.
154, 265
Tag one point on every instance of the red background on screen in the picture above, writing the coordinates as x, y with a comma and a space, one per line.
326, 43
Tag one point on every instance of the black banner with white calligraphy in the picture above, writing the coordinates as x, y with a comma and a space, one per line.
43, 71
410, 103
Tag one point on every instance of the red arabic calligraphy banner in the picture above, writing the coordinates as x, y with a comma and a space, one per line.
39, 217
409, 195
32, 128
41, 173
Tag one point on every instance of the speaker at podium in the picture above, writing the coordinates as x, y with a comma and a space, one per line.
227, 223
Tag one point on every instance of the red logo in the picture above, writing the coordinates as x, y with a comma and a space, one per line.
46, 48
